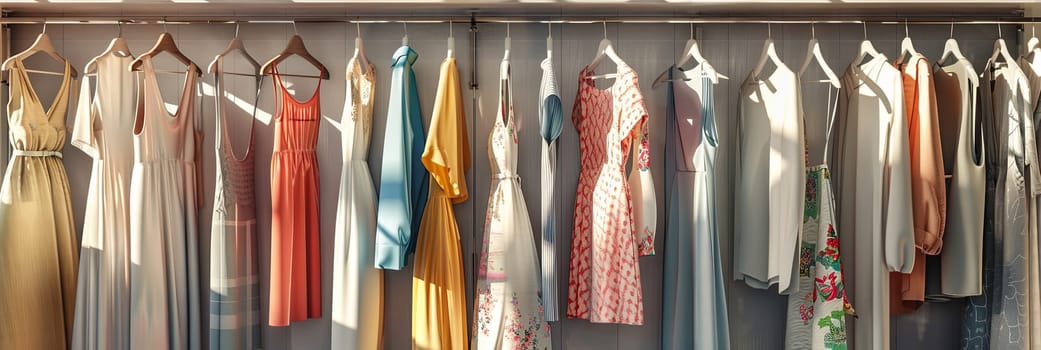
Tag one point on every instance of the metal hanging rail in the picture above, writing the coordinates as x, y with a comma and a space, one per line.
675, 19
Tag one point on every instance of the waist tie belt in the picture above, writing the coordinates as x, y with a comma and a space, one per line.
507, 177
22, 153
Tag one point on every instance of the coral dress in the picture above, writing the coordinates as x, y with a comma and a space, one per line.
37, 234
296, 270
614, 220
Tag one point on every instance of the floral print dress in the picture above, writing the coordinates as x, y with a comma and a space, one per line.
509, 311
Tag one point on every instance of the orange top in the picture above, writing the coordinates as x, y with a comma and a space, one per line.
928, 192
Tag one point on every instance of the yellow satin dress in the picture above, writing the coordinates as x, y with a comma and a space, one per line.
38, 250
438, 286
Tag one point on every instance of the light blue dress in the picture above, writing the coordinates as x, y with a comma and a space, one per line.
551, 122
694, 310
403, 179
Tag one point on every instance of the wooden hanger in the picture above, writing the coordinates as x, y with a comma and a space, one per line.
691, 51
906, 46
296, 47
605, 50
117, 47
42, 44
813, 52
235, 45
164, 44
769, 53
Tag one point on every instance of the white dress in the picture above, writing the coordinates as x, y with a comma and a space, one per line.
509, 309
103, 129
357, 284
770, 182
872, 179
164, 275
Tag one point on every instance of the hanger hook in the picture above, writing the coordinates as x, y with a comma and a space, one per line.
691, 30
769, 30
549, 29
164, 25
865, 29
452, 35
999, 31
296, 32
119, 28
952, 28
907, 32
507, 29
605, 28
357, 28
405, 25
236, 29
813, 29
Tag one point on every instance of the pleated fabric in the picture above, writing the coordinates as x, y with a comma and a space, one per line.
296, 266
103, 130
234, 267
439, 317
357, 284
164, 257
38, 256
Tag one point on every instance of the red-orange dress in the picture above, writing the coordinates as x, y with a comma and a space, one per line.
296, 285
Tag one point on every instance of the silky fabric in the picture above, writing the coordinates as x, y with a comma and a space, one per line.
164, 238
1032, 70
614, 218
693, 264
234, 268
551, 121
296, 265
872, 175
403, 183
961, 263
770, 181
38, 258
357, 285
439, 316
508, 306
928, 190
103, 129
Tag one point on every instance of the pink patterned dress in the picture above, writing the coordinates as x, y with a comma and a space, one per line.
614, 216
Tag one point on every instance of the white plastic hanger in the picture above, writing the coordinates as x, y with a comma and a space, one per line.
950, 49
42, 44
605, 50
1000, 50
451, 41
814, 52
506, 53
404, 39
769, 53
866, 49
691, 51
359, 49
236, 45
906, 47
117, 47
1033, 50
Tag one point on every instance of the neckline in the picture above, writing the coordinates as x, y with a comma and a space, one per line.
285, 92
220, 93
188, 80
32, 90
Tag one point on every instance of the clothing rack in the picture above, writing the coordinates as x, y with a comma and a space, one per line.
566, 19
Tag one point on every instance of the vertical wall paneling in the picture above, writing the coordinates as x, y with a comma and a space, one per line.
756, 316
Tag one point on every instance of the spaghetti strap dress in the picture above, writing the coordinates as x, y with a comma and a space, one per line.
38, 254
694, 304
508, 306
164, 237
357, 284
234, 270
104, 130
296, 267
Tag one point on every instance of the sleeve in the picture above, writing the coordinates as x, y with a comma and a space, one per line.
83, 123
897, 210
641, 183
929, 233
446, 153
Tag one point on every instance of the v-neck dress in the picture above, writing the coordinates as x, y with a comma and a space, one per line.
164, 236
357, 285
614, 216
234, 268
38, 255
694, 303
509, 312
104, 130
296, 267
